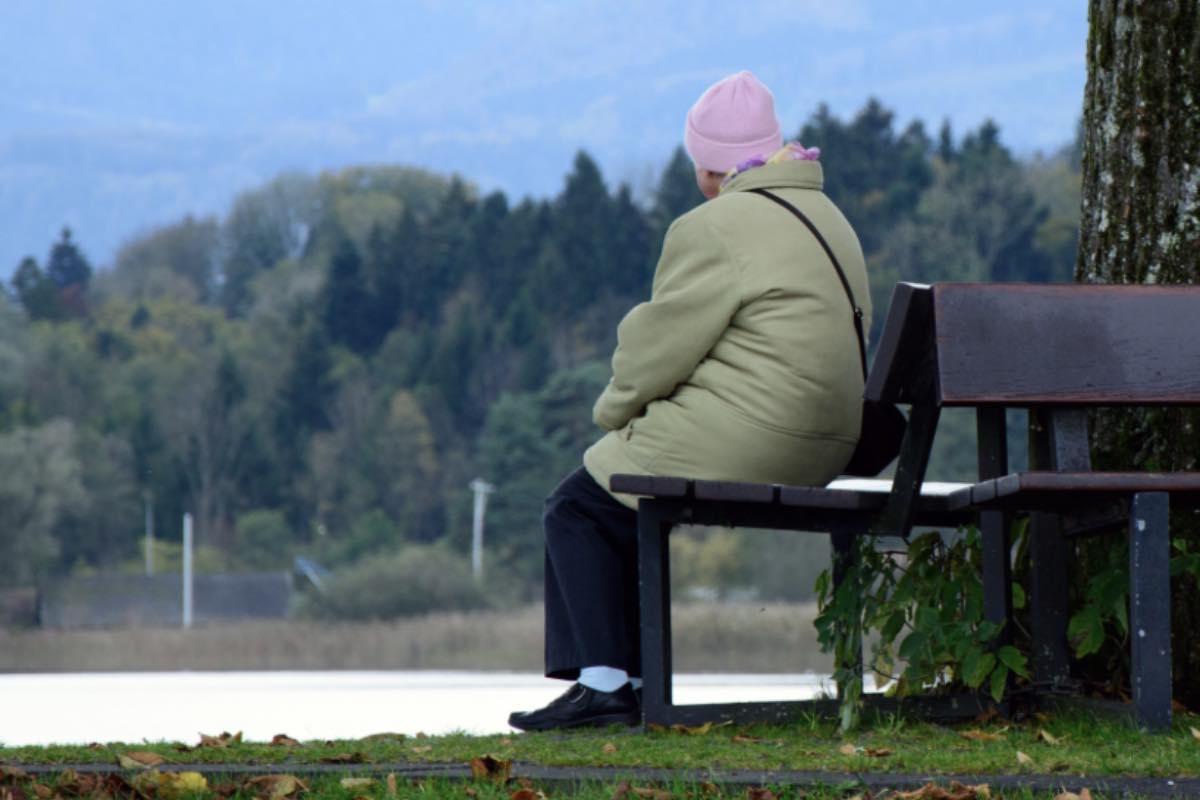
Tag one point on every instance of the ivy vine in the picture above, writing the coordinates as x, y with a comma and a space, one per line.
926, 605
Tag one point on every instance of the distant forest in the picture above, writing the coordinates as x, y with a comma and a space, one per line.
325, 369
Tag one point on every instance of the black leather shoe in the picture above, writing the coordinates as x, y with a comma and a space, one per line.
579, 707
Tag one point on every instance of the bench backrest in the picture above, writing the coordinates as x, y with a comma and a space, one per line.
1052, 348
1040, 344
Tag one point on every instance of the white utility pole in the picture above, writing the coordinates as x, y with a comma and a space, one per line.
482, 489
187, 570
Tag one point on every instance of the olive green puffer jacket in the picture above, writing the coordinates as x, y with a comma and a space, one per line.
744, 363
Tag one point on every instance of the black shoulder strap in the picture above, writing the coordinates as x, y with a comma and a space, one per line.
858, 312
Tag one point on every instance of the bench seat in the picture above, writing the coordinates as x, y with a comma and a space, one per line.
939, 504
1062, 492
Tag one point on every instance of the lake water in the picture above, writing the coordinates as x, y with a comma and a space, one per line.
179, 706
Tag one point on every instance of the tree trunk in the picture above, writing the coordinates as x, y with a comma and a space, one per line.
1141, 224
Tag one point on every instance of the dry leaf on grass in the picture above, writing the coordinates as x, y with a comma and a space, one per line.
140, 759
224, 740
43, 791
741, 739
8, 774
956, 791
708, 787
391, 784
506, 742
386, 736
652, 793
527, 793
760, 793
1024, 760
344, 758
421, 748
1084, 794
1044, 736
878, 752
283, 740
356, 783
976, 735
490, 768
471, 791
276, 787
1195, 734
848, 749
609, 747
693, 730
169, 785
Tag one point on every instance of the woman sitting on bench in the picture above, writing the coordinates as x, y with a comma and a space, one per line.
743, 365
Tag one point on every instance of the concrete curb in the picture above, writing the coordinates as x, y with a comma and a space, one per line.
1116, 786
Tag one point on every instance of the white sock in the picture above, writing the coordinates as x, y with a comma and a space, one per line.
636, 683
603, 679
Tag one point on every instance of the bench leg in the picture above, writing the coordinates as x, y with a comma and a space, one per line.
1048, 601
1150, 608
994, 529
655, 587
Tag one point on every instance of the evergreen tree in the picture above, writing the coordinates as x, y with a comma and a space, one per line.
347, 300
35, 291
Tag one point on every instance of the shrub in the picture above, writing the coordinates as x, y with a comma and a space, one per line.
417, 580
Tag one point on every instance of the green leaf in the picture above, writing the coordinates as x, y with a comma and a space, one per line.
911, 647
1085, 631
1018, 595
976, 667
892, 627
1012, 658
999, 682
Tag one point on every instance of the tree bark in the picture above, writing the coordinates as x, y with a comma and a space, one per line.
1141, 149
1141, 224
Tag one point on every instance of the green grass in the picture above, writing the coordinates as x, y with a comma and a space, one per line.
1086, 745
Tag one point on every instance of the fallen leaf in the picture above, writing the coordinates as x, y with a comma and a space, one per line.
43, 791
386, 737
1084, 794
878, 752
344, 758
491, 768
977, 735
621, 791
178, 784
652, 793
140, 759
696, 730
527, 793
848, 749
741, 739
506, 742
283, 740
1066, 796
609, 747
1024, 760
356, 783
470, 791
277, 787
12, 774
1044, 736
760, 793
525, 783
421, 748
224, 740
1195, 734
956, 791
391, 784
708, 787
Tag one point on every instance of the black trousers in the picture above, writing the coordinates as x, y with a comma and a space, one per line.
591, 580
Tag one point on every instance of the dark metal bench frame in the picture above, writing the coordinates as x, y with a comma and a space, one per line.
939, 348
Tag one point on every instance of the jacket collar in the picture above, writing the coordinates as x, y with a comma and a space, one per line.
789, 174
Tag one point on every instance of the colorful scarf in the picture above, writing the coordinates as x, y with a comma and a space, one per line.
792, 151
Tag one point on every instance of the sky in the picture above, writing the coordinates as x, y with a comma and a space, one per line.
123, 115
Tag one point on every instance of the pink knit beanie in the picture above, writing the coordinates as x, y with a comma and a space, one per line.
734, 120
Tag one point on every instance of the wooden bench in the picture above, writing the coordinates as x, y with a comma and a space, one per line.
1055, 350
